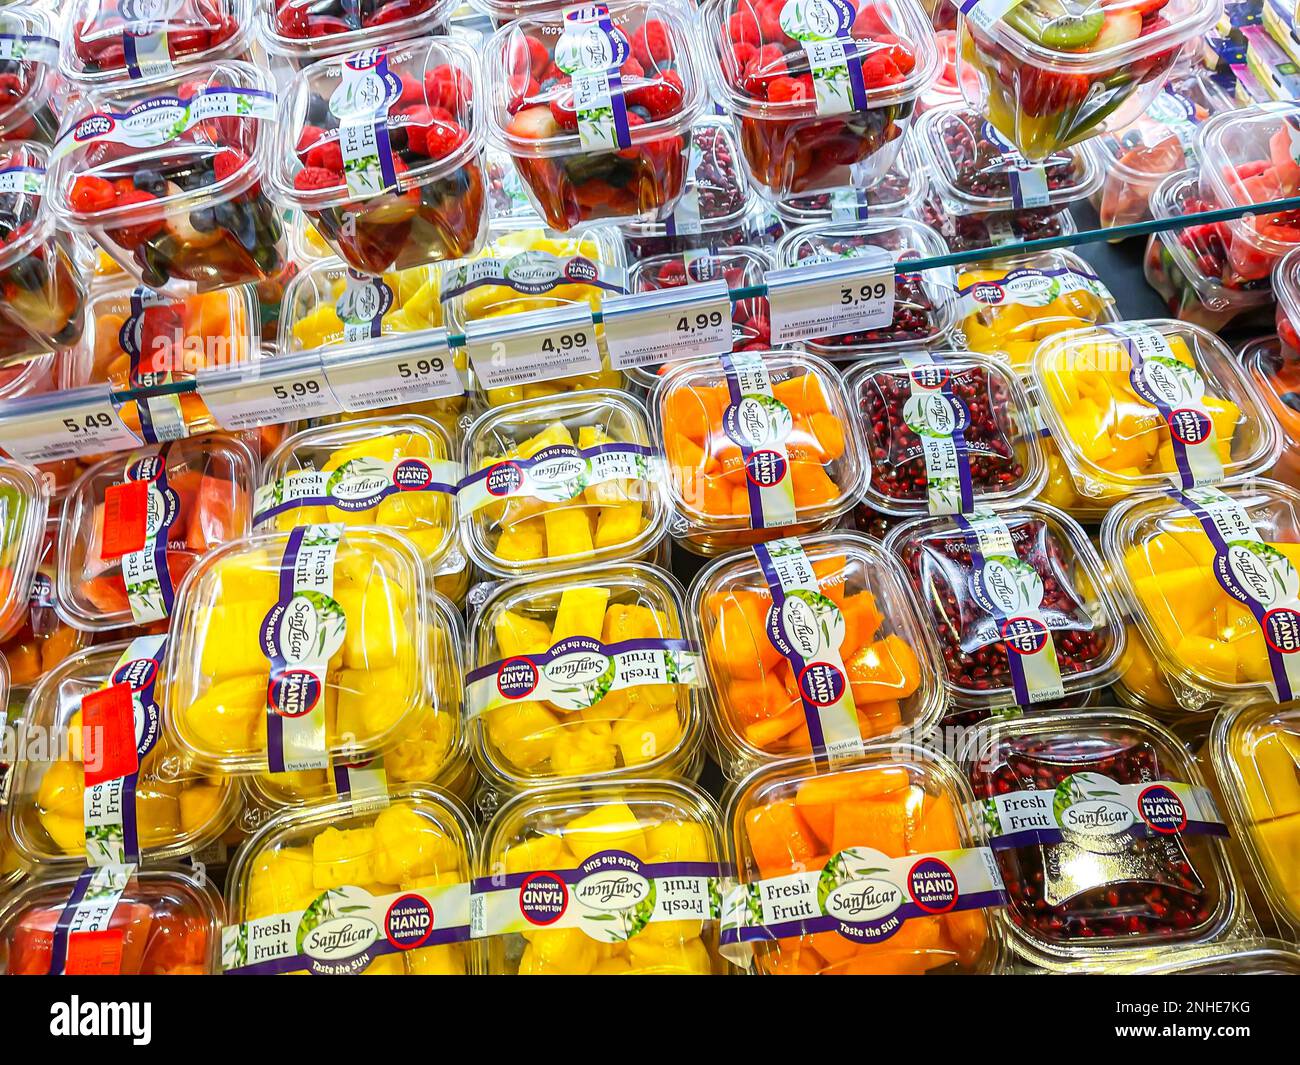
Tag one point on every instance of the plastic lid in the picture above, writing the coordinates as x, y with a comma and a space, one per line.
304, 30
395, 471
767, 702
530, 66
897, 193
109, 42
1130, 857
799, 826
31, 49
1006, 307
1146, 403
760, 441
992, 229
923, 305
23, 506
561, 483
142, 520
1256, 754
163, 921
981, 446
762, 66
1212, 643
658, 839
397, 876
176, 811
1019, 600
1274, 372
972, 164
583, 675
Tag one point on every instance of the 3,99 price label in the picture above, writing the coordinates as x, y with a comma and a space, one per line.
388, 378
537, 346
81, 423
287, 389
652, 328
832, 297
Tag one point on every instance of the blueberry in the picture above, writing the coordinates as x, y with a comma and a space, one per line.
202, 219
150, 181
1291, 399
318, 111
642, 112
226, 214
549, 83
397, 139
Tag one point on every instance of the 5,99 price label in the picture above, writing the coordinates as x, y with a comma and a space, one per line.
82, 422
651, 328
538, 346
390, 377
832, 297
285, 389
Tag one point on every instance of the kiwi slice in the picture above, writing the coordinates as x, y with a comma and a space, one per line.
1055, 24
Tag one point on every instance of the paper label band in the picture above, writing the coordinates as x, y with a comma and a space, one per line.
357, 486
366, 91
592, 50
556, 474
759, 424
84, 942
823, 29
939, 419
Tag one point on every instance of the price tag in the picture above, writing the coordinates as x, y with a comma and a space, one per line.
277, 390
832, 297
402, 373
63, 425
649, 328
538, 346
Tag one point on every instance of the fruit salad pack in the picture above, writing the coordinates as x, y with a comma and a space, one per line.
821, 92
38, 639
110, 792
380, 149
31, 90
604, 880
1273, 370
594, 106
113, 920
813, 646
584, 676
345, 888
871, 869
306, 30
109, 43
1110, 845
167, 178
897, 193
1056, 72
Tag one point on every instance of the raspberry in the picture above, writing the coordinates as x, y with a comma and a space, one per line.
651, 44
442, 139
91, 194
769, 23
662, 97
133, 236
743, 27
561, 105
326, 154
309, 136
793, 90
449, 87
878, 70
229, 162
11, 85
427, 132
743, 53
632, 68
314, 179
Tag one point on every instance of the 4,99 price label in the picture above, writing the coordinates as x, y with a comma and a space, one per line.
79, 425
287, 389
832, 297
390, 377
651, 328
538, 346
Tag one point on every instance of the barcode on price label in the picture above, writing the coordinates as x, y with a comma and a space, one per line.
832, 297
72, 423
650, 328
537, 346
400, 374
285, 389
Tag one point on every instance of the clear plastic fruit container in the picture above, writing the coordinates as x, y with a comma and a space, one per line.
57, 815
434, 752
1247, 158
923, 302
1274, 372
1235, 957
1052, 74
306, 246
295, 650
304, 30
110, 43
160, 921
508, 203
946, 432
141, 520
614, 878
991, 229
1159, 142
803, 134
871, 675
561, 483
1020, 603
24, 504
382, 151
1190, 269
971, 164
1213, 645
1285, 284
1008, 306
1109, 841
740, 266
346, 887
625, 153
12, 866
583, 675
168, 178
523, 270
1255, 749
39, 639
758, 445
897, 193
1144, 404
44, 295
32, 92
890, 877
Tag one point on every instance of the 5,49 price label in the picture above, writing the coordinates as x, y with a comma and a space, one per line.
651, 328
832, 296
394, 375
286, 389
538, 346
83, 422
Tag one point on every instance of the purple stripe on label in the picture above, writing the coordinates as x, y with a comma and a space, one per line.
274, 722
548, 455
1030, 836
1018, 683
439, 937
651, 870
63, 927
752, 491
857, 84
154, 468
582, 643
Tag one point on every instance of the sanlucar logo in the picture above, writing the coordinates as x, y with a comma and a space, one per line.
1007, 586
757, 421
339, 938
612, 882
860, 901
1090, 804
1261, 572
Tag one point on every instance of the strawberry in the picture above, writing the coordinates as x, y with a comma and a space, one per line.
561, 105
662, 97
741, 54
326, 153
792, 90
743, 27
291, 22
91, 194
651, 44
538, 57
449, 87
314, 179
132, 236
309, 136
442, 139
769, 24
